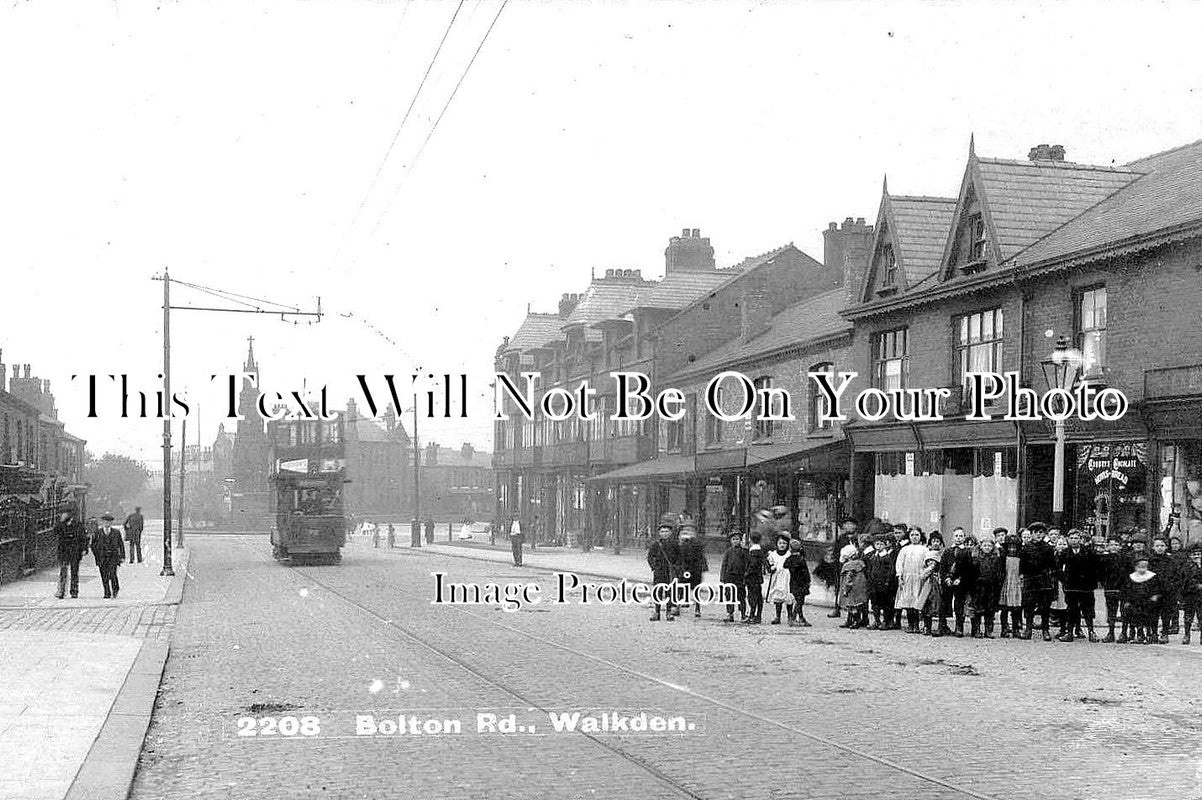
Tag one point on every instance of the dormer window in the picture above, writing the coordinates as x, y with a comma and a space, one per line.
889, 266
976, 230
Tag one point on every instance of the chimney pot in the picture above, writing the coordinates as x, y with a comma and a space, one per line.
859, 220
684, 233
696, 233
28, 367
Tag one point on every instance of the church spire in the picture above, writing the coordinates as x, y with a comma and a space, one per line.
250, 365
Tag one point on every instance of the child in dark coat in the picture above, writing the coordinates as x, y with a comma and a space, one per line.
1190, 577
1142, 595
880, 570
1162, 563
985, 587
753, 579
734, 570
799, 582
1113, 568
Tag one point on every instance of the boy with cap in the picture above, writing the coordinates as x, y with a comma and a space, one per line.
734, 567
663, 556
1037, 564
1079, 576
1165, 567
693, 563
1113, 568
753, 579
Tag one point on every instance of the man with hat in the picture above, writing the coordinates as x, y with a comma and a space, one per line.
72, 544
663, 556
693, 563
1037, 565
109, 551
133, 533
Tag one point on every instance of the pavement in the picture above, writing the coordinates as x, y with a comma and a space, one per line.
630, 565
779, 712
81, 677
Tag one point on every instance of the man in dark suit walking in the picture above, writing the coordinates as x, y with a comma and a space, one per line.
133, 533
72, 544
109, 551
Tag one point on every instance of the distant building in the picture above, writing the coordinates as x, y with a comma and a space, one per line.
377, 455
456, 484
245, 477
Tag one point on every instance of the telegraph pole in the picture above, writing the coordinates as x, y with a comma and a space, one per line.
183, 453
417, 497
167, 569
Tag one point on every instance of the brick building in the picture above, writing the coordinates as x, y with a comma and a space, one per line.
378, 464
456, 483
1027, 252
41, 471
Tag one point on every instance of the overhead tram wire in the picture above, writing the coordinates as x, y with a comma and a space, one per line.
234, 297
397, 134
434, 127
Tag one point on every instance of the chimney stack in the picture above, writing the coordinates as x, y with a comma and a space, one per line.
467, 451
689, 252
352, 410
1044, 152
3, 373
848, 249
567, 304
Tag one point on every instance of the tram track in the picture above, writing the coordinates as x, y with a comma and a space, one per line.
305, 573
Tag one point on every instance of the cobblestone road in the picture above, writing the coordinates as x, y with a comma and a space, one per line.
786, 713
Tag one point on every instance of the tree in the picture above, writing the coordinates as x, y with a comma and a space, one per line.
114, 479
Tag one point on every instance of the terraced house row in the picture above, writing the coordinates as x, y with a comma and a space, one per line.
1025, 258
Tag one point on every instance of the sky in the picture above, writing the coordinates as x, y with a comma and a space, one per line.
258, 148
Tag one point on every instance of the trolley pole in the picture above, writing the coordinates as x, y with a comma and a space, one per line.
167, 568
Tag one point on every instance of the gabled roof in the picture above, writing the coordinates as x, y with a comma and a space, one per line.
537, 330
920, 226
1029, 199
1167, 196
367, 430
810, 320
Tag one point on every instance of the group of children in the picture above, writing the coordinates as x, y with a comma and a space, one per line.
897, 577
890, 571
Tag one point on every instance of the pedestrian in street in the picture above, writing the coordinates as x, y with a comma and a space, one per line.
907, 572
430, 529
693, 563
663, 556
985, 588
515, 540
1010, 598
1113, 569
391, 536
734, 566
956, 566
375, 536
1038, 568
854, 591
133, 533
930, 591
799, 583
1190, 576
753, 578
845, 539
1059, 601
1165, 567
72, 544
777, 590
1079, 576
109, 552
880, 570
1142, 595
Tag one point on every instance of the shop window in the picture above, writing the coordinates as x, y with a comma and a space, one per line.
979, 343
1091, 330
1181, 490
996, 461
816, 402
1110, 492
891, 359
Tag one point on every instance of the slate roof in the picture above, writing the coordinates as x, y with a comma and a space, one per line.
1167, 196
536, 330
678, 289
811, 319
368, 431
920, 226
1029, 199
605, 299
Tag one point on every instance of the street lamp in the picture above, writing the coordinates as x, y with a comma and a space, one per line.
1060, 370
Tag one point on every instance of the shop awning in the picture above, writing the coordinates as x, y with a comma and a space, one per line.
654, 468
821, 455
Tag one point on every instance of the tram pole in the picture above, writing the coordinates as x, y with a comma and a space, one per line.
183, 438
417, 496
167, 568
